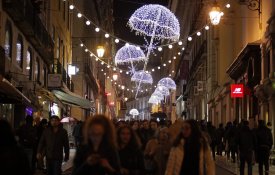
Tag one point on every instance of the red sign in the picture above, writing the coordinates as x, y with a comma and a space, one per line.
237, 91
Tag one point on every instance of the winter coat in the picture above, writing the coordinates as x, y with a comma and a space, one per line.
81, 167
53, 144
174, 165
264, 138
132, 159
246, 140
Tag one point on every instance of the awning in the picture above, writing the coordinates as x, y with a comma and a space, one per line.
71, 98
49, 96
10, 94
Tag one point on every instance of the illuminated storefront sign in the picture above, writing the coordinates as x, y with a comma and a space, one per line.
237, 91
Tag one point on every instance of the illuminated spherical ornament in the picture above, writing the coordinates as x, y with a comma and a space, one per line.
155, 21
206, 27
169, 61
120, 71
170, 46
179, 53
127, 44
108, 66
167, 82
163, 90
71, 7
180, 43
153, 70
107, 35
88, 22
116, 40
182, 48
97, 29
128, 54
189, 38
81, 45
91, 55
228, 5
164, 65
198, 33
134, 112
160, 49
174, 57
96, 59
142, 77
86, 50
158, 67
79, 15
102, 62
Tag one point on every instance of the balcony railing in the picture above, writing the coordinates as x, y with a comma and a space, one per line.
59, 69
26, 18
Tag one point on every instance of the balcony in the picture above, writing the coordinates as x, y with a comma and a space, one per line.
26, 18
59, 69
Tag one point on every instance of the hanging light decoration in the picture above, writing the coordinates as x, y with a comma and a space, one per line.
167, 82
163, 90
142, 77
115, 76
100, 51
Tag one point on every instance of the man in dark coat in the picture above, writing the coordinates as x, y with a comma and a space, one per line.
220, 138
246, 141
211, 130
53, 140
264, 145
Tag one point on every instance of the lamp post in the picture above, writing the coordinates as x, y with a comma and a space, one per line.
215, 14
100, 51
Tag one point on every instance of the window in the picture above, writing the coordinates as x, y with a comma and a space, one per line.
37, 69
19, 51
8, 40
29, 63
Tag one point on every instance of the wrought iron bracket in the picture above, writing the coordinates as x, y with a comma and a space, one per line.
253, 5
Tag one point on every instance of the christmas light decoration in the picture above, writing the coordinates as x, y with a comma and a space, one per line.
158, 95
167, 82
155, 21
163, 90
153, 100
134, 112
142, 77
128, 54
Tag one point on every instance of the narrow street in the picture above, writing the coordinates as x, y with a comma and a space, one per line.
222, 171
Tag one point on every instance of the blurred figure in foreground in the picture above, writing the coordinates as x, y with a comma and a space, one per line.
131, 156
157, 151
264, 145
13, 160
99, 154
191, 153
54, 139
246, 141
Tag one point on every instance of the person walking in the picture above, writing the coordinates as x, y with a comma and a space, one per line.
264, 145
98, 155
40, 129
190, 154
211, 130
220, 139
246, 142
131, 156
53, 140
13, 159
157, 151
27, 134
77, 133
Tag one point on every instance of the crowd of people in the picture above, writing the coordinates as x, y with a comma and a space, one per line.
106, 147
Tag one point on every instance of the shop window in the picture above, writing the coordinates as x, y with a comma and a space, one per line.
8, 40
19, 51
29, 63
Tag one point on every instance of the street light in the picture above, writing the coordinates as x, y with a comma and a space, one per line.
215, 14
100, 51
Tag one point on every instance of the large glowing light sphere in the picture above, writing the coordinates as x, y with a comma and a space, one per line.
167, 82
155, 21
163, 90
142, 77
129, 53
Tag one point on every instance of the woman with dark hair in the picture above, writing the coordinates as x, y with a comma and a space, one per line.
131, 156
12, 158
191, 153
98, 155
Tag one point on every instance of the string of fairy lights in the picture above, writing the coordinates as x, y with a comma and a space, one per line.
179, 44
